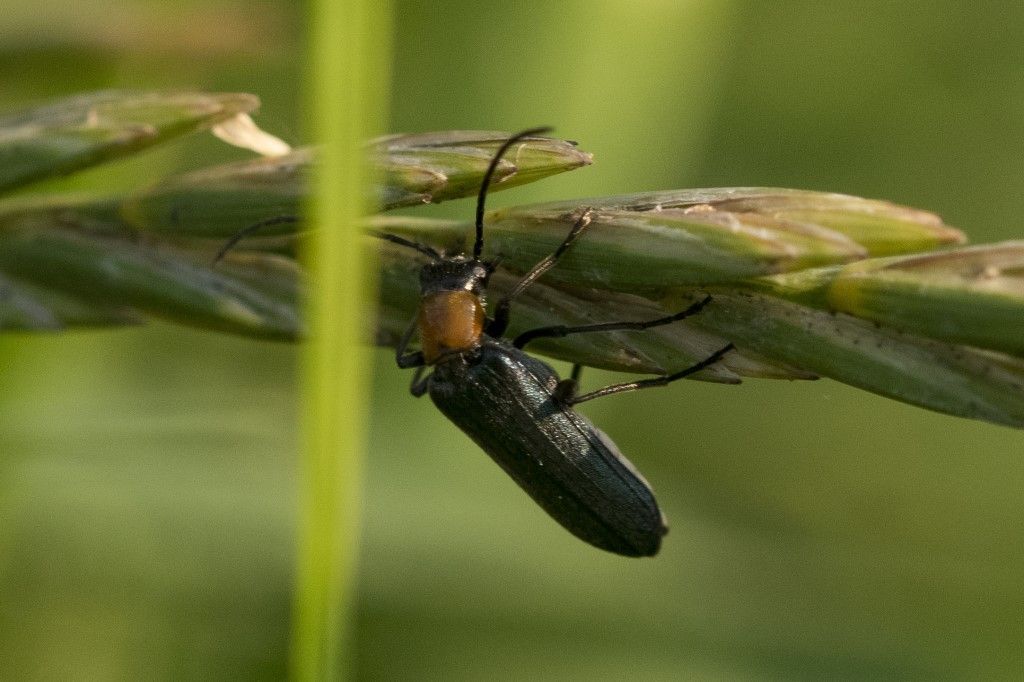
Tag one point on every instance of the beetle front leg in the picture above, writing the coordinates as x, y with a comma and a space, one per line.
496, 327
419, 383
403, 359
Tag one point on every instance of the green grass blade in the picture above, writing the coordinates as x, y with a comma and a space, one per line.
73, 133
94, 275
971, 295
432, 167
408, 170
29, 307
349, 46
942, 377
880, 227
643, 243
218, 201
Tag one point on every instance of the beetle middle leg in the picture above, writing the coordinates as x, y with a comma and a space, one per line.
565, 390
497, 326
560, 331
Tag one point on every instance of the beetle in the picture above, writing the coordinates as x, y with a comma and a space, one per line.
515, 407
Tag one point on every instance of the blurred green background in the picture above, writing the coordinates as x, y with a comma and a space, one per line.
147, 483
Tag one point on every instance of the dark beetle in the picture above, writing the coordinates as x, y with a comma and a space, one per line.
516, 408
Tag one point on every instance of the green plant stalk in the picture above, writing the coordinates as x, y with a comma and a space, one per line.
348, 58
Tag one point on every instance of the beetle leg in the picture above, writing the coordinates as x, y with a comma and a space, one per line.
411, 359
560, 331
497, 326
577, 371
565, 390
250, 229
651, 383
419, 383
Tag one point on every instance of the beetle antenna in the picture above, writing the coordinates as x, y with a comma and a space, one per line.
246, 231
478, 245
402, 241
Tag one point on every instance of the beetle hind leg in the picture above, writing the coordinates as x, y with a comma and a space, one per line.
565, 390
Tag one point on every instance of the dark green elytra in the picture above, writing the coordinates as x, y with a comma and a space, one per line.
504, 400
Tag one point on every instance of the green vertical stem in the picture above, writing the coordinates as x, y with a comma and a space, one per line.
345, 98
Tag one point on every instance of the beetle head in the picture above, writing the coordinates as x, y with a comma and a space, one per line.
455, 273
